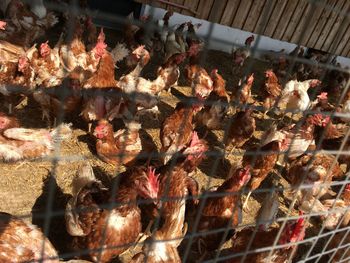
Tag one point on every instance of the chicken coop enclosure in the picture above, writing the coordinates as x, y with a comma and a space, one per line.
139, 143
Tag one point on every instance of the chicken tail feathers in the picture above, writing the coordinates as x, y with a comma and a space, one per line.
85, 176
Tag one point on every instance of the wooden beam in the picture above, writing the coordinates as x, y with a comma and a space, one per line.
337, 32
298, 13
285, 18
242, 13
275, 18
329, 26
217, 11
204, 8
265, 16
192, 6
229, 12
253, 15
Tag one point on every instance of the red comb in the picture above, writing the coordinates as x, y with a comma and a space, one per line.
144, 18
45, 49
22, 63
347, 187
269, 72
153, 178
101, 37
139, 48
297, 233
214, 71
2, 25
194, 139
100, 45
321, 119
244, 174
323, 96
250, 79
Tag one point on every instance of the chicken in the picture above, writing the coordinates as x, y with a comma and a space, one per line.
175, 42
339, 244
176, 131
49, 74
98, 106
293, 231
23, 25
143, 37
132, 84
16, 73
176, 185
330, 135
272, 90
268, 211
105, 104
129, 31
294, 95
321, 103
80, 69
240, 130
239, 55
170, 70
2, 25
20, 143
201, 82
64, 99
243, 94
221, 210
261, 164
117, 148
23, 242
35, 6
337, 80
335, 210
212, 115
313, 170
103, 77
345, 109
161, 35
296, 139
94, 226
158, 248
191, 37
8, 122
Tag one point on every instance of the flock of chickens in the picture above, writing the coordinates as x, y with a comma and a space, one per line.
77, 76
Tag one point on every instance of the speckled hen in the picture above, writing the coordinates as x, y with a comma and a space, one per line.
23, 242
93, 226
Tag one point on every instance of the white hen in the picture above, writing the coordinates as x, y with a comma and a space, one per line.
294, 96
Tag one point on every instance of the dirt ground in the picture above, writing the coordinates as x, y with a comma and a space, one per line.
27, 187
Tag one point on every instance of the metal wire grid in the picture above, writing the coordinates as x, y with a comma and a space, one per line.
74, 10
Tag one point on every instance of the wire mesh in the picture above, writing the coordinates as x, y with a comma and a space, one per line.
168, 242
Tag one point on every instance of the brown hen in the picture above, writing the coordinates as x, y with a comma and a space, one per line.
95, 227
222, 212
23, 242
121, 147
213, 114
176, 131
293, 231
